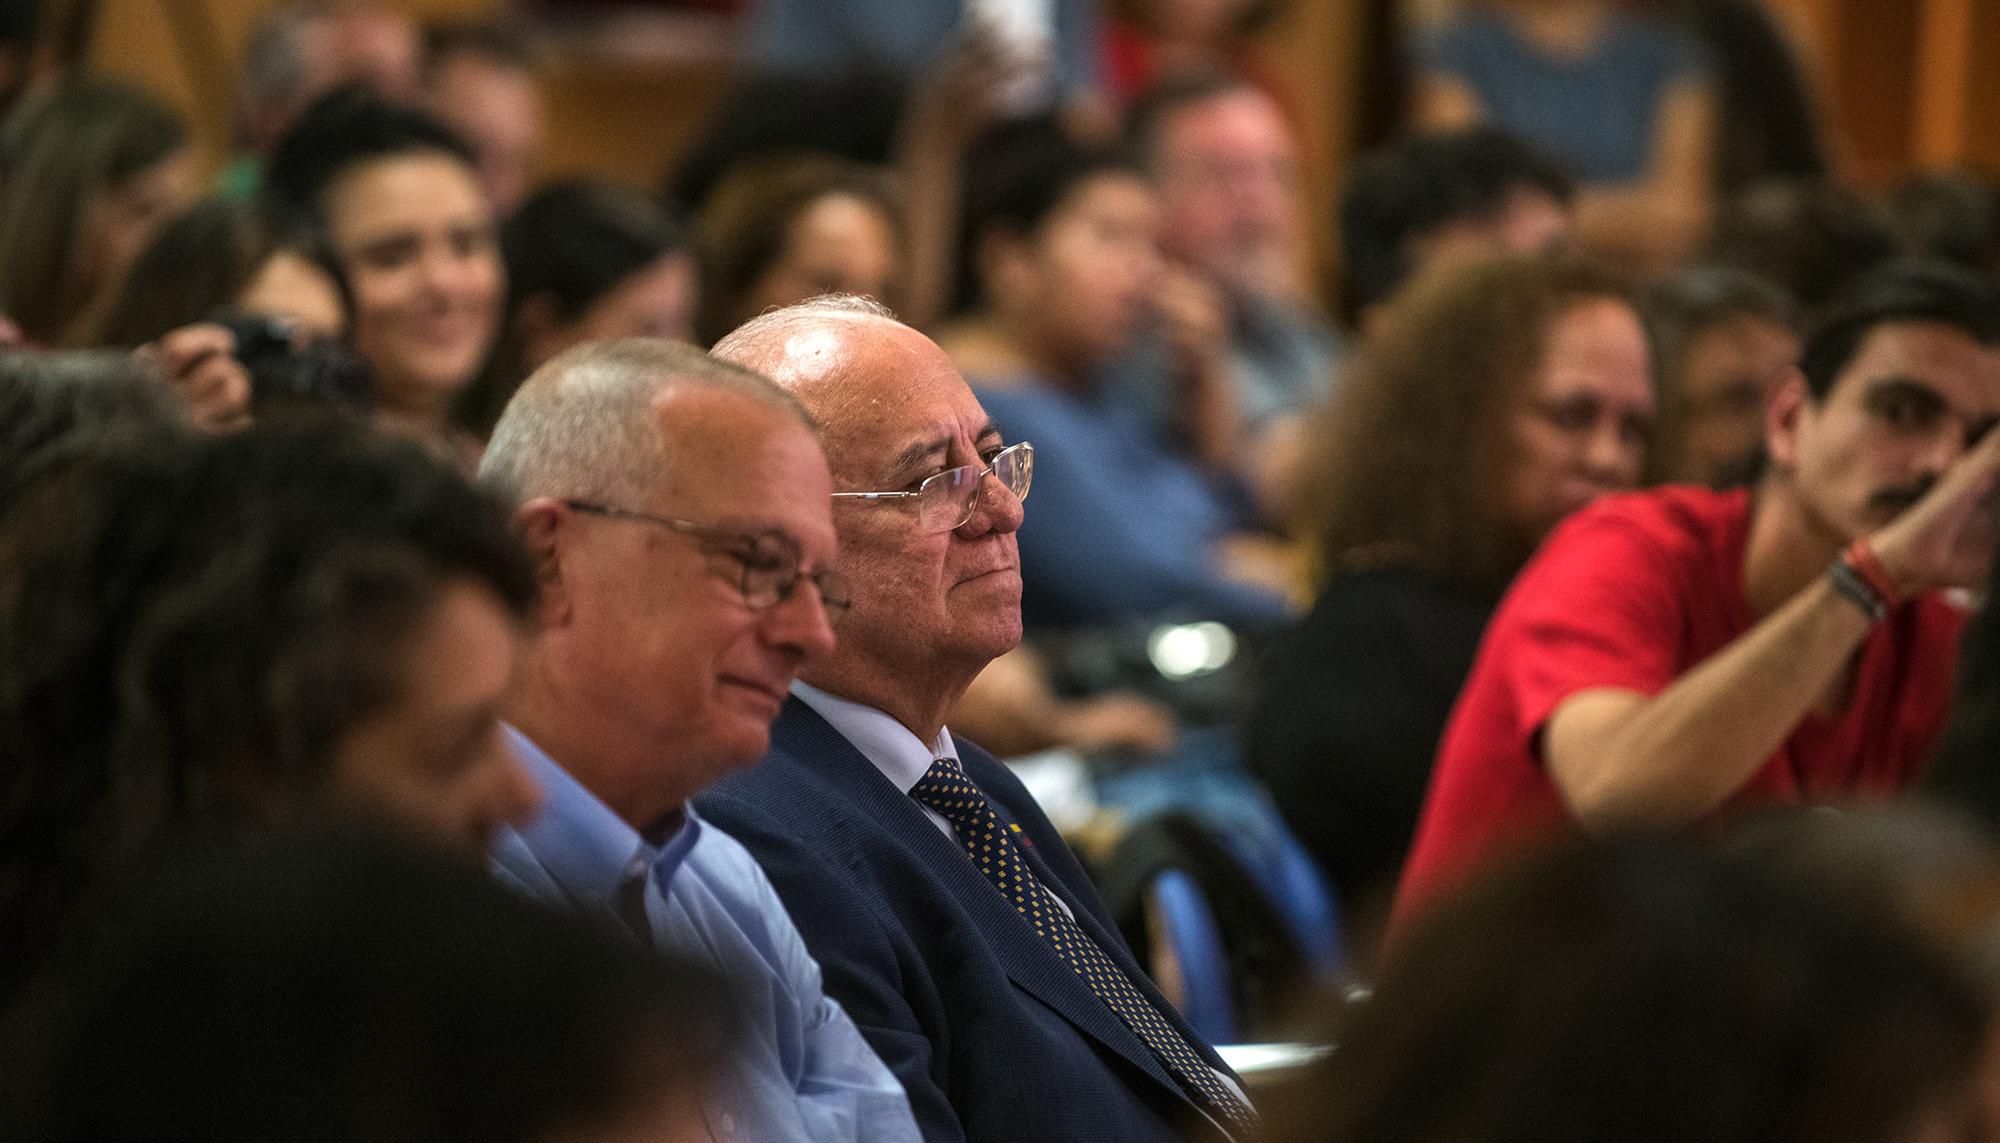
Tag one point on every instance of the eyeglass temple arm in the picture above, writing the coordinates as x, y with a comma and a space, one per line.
874, 495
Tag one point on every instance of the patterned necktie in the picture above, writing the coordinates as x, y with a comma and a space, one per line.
946, 789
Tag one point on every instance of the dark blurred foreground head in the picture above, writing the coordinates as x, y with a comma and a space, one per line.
1639, 990
341, 986
210, 635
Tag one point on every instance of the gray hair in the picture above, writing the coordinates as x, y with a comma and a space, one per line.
580, 428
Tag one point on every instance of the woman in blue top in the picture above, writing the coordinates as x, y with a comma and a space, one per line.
1625, 99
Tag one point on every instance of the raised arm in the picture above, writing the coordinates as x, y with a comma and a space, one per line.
1622, 758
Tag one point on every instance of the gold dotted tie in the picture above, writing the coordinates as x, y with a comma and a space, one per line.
946, 789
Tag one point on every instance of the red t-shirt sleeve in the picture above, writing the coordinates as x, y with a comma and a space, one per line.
1598, 607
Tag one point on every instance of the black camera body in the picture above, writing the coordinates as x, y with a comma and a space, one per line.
289, 368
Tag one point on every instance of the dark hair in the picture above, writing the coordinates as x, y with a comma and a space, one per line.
1637, 990
60, 151
49, 402
341, 985
853, 115
200, 262
572, 243
1018, 174
576, 241
746, 225
500, 44
1409, 189
1953, 215
1809, 237
1407, 455
1684, 308
1913, 290
344, 129
189, 629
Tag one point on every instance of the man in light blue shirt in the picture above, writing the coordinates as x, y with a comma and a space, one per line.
678, 513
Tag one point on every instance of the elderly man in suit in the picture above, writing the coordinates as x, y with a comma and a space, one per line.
948, 916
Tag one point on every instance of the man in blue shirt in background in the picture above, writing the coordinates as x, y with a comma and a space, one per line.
678, 513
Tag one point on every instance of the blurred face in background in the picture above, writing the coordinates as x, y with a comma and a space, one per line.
1727, 373
1227, 172
1083, 280
495, 108
657, 300
434, 758
838, 243
415, 237
1585, 417
120, 219
291, 286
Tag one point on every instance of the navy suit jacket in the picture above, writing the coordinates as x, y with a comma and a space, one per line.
993, 1035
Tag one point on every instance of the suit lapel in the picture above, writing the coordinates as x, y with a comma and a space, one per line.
1029, 961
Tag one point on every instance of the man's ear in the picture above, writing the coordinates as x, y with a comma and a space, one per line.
1790, 403
545, 525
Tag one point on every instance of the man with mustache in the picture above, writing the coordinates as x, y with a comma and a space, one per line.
949, 917
675, 509
1674, 654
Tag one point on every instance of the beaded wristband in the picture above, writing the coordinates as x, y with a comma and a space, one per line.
1862, 558
1856, 590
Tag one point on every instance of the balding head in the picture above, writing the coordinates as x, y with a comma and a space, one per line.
584, 426
931, 608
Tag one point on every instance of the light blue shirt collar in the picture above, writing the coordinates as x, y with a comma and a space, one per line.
586, 847
902, 757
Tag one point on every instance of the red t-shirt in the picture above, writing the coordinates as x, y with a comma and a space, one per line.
1632, 592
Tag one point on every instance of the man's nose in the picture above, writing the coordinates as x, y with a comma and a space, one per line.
800, 621
995, 508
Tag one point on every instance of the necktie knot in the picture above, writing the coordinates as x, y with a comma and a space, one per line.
945, 788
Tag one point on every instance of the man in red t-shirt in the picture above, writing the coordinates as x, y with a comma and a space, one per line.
1670, 653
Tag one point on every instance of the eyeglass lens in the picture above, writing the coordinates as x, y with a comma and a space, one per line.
950, 495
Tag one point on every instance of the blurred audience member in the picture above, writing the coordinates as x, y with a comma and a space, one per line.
53, 403
826, 38
301, 51
586, 261
1671, 655
227, 255
1643, 991
1144, 41
1625, 100
1064, 247
1225, 161
780, 229
1726, 341
1810, 238
1492, 400
680, 513
1443, 197
1954, 215
342, 986
479, 80
88, 172
212, 636
398, 199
